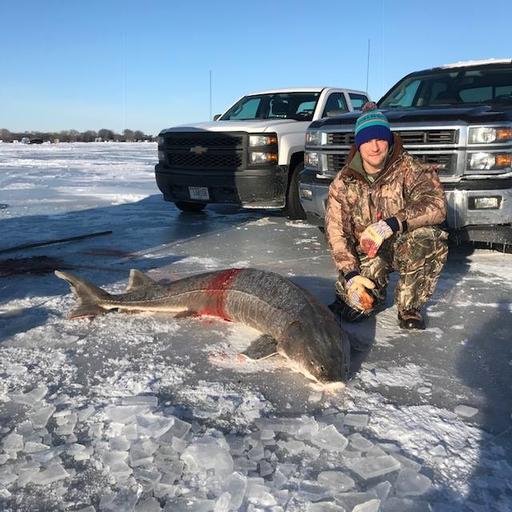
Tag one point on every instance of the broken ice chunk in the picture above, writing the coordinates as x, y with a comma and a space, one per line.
258, 495
31, 447
124, 414
40, 416
53, 473
265, 468
207, 454
411, 483
382, 490
148, 505
349, 500
153, 426
235, 485
372, 467
149, 400
438, 451
324, 506
369, 506
356, 420
223, 503
465, 411
359, 443
312, 491
31, 397
13, 442
119, 443
7, 477
329, 438
335, 480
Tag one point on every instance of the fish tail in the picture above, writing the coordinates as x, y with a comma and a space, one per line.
88, 295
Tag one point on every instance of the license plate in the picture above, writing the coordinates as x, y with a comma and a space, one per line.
199, 193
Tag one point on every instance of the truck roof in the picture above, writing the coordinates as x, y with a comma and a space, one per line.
469, 63
303, 89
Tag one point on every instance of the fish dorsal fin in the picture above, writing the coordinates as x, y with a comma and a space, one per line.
139, 280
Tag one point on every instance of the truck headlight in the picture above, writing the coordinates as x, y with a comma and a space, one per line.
486, 135
490, 161
314, 137
261, 157
262, 140
161, 157
311, 159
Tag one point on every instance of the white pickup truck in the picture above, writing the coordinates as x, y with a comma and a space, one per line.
252, 154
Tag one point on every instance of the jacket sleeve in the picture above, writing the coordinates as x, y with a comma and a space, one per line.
425, 202
338, 228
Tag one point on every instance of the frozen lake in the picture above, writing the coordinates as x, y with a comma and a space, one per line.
148, 413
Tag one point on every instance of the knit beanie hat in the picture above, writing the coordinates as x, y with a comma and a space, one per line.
372, 124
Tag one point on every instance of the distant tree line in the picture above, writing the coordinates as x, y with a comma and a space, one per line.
75, 136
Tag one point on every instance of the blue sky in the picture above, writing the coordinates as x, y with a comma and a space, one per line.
146, 65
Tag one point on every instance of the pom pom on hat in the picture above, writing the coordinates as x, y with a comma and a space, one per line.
372, 124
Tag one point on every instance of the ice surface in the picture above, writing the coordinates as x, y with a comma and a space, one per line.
356, 420
53, 473
148, 505
411, 483
124, 500
465, 411
330, 439
207, 454
336, 480
372, 467
369, 506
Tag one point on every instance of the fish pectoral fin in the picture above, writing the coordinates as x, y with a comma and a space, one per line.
261, 348
185, 313
139, 280
86, 311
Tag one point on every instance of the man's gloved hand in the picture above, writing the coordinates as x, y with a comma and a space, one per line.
372, 237
357, 292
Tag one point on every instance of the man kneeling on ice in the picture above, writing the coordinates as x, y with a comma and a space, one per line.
383, 213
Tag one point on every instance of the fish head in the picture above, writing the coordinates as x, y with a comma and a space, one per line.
317, 351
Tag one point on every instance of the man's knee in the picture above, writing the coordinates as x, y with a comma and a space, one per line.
422, 245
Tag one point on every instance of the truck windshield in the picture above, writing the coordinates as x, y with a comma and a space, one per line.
452, 87
293, 105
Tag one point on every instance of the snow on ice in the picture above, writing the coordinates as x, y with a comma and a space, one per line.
150, 413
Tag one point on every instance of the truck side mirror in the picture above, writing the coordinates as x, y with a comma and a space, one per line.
216, 116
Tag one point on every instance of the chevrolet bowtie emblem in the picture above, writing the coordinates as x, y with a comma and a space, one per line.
198, 150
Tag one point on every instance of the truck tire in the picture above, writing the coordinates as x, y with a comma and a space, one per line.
293, 209
184, 206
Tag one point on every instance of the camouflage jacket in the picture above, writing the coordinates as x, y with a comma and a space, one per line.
404, 189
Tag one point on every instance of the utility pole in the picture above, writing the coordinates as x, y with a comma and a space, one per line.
368, 66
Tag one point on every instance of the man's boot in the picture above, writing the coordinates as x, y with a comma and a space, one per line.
411, 319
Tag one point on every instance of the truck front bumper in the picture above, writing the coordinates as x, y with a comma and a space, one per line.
250, 188
465, 219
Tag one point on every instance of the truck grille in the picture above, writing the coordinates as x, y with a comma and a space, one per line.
204, 150
340, 138
408, 137
428, 136
212, 160
207, 139
335, 162
447, 161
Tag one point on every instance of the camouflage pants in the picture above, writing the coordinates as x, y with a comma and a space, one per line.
418, 256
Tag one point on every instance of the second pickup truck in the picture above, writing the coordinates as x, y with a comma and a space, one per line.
252, 154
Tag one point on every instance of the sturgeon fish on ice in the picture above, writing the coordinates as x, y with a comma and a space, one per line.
292, 322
